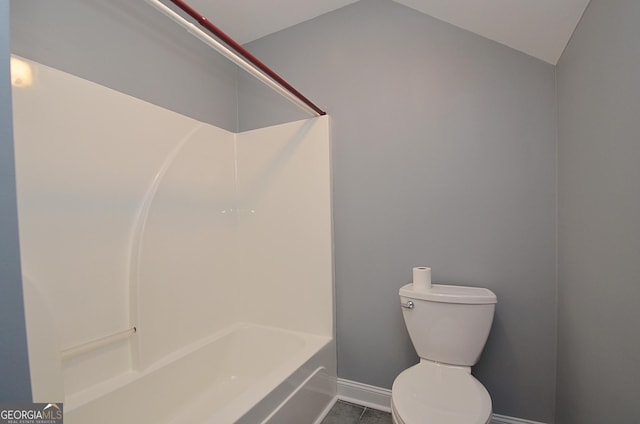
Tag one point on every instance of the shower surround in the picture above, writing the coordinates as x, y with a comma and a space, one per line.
156, 247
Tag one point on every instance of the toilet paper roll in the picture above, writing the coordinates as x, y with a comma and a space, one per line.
421, 278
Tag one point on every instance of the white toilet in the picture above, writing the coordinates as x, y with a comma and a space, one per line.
448, 326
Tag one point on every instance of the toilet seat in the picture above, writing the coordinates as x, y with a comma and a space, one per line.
439, 394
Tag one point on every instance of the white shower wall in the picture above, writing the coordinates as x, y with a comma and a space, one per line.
285, 248
133, 215
184, 261
247, 222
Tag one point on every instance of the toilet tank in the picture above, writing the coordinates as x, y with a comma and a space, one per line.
448, 324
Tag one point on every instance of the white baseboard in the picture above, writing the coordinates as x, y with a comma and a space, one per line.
379, 398
364, 394
502, 419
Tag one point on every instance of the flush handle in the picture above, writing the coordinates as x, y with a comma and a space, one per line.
408, 305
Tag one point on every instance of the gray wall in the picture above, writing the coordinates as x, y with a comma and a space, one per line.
15, 385
599, 217
130, 47
444, 149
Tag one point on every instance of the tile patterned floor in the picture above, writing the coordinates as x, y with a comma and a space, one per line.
348, 413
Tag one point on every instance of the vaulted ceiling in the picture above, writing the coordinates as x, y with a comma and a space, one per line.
540, 28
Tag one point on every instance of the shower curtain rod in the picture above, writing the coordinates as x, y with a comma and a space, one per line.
236, 53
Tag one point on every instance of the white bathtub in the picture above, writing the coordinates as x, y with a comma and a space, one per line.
246, 374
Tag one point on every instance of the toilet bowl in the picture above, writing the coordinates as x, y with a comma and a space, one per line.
431, 393
448, 326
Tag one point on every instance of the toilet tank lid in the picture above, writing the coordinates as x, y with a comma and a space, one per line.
450, 294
